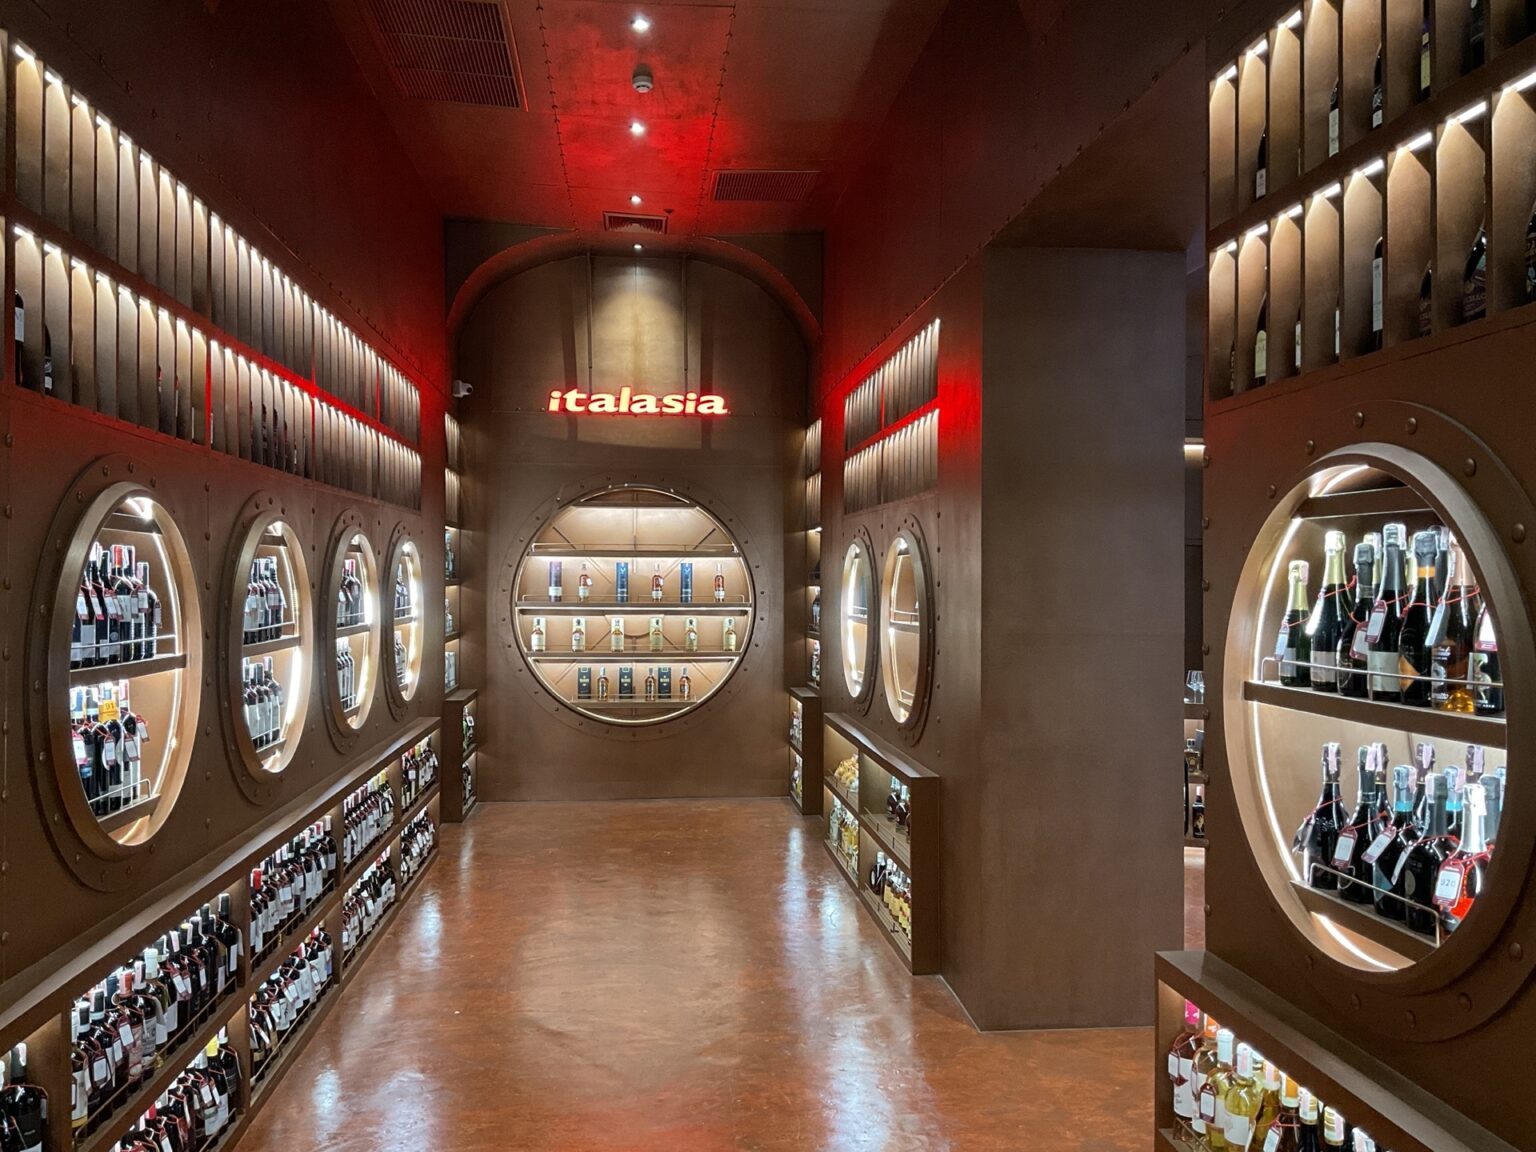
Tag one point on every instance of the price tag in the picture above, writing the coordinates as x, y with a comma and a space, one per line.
1208, 1105
1238, 1132
125, 1035
82, 609
183, 987
1344, 851
1378, 846
1377, 622
100, 1071
1436, 626
1448, 886
1283, 647
1360, 647
79, 743
1272, 1141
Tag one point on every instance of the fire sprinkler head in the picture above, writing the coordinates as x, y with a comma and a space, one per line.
642, 79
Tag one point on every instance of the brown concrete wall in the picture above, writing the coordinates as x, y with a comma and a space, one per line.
607, 323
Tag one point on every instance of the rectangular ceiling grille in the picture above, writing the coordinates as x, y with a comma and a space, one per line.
458, 51
764, 184
632, 222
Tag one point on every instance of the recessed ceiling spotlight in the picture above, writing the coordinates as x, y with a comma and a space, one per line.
639, 247
635, 199
636, 128
640, 24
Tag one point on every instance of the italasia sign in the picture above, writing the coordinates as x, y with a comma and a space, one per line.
627, 402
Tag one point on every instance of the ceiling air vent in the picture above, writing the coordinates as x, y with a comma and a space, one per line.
764, 184
456, 51
632, 222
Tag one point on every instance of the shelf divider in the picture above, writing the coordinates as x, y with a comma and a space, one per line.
1360, 920
1431, 722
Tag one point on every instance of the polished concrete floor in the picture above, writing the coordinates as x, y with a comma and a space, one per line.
684, 976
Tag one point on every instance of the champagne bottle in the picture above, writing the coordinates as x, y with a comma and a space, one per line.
1378, 93
1384, 632
1353, 653
1333, 120
1474, 281
1427, 298
1455, 797
1483, 664
1415, 647
1261, 344
1386, 853
1378, 304
1364, 826
1493, 796
1422, 867
1292, 647
1317, 838
1261, 167
1325, 626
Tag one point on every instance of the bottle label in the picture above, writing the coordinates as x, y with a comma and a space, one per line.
1260, 183
1207, 1104
1324, 665
1378, 846
1239, 1131
1260, 354
1272, 1141
1377, 622
1344, 850
1333, 131
1382, 666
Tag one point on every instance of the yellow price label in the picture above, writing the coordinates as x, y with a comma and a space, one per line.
106, 711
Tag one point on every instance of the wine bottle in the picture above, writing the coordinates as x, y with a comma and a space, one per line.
1474, 281
1181, 1064
1292, 647
1325, 626
1427, 298
579, 634
1474, 46
1461, 878
1261, 344
1387, 851
1333, 120
1204, 1063
1296, 352
1422, 866
1384, 632
1378, 93
1317, 838
1455, 796
1309, 1137
1269, 1105
1425, 60
1415, 643
1530, 255
1364, 826
1493, 796
1284, 1132
1352, 652
1483, 665
1212, 1098
1378, 305
1245, 1094
1261, 167
1335, 1131
536, 638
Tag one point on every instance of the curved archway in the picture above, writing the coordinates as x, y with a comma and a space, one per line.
559, 246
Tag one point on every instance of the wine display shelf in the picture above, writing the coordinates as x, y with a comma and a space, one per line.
807, 752
915, 850
85, 187
454, 762
453, 551
618, 546
1462, 728
1425, 183
1397, 1113
40, 1016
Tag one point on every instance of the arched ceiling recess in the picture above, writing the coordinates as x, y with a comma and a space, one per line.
519, 258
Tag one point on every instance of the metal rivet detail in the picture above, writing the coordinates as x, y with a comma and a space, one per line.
1272, 491
1359, 419
1465, 1001
1517, 533
1469, 466
1354, 1000
1516, 951
1412, 425
1311, 447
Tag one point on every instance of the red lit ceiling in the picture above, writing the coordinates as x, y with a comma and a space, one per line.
790, 86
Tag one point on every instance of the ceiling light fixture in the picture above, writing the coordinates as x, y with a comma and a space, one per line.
636, 128
635, 199
640, 24
639, 247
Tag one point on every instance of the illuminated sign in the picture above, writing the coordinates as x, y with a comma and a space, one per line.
627, 402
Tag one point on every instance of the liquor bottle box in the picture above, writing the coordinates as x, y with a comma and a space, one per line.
664, 682
556, 581
584, 682
626, 683
621, 582
685, 582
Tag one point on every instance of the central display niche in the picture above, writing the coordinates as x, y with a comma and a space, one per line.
633, 605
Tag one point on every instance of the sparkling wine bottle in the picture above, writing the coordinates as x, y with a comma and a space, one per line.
1415, 647
1388, 851
1317, 838
1378, 93
1325, 627
1353, 653
1384, 632
1292, 647
1453, 633
1364, 826
1461, 877
1416, 882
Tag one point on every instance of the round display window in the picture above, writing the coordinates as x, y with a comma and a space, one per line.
408, 625
1365, 701
633, 605
272, 689
133, 627
905, 627
355, 600
857, 605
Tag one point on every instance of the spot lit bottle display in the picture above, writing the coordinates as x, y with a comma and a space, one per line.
1474, 281
584, 583
536, 639
1474, 47
616, 634
1261, 167
579, 634
1487, 678
1385, 629
1453, 634
1378, 291
719, 583
1291, 645
1426, 318
1426, 70
1325, 626
656, 635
